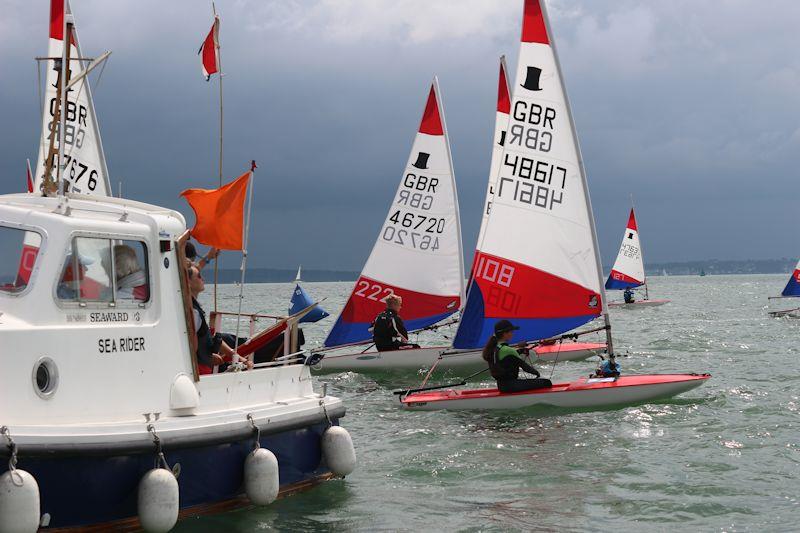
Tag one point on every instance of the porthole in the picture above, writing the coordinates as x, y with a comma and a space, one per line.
45, 377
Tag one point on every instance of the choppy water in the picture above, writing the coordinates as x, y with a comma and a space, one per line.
724, 457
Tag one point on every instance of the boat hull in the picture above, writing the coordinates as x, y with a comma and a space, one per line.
581, 394
639, 303
415, 359
100, 491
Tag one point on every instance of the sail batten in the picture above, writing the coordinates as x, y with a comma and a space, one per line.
417, 254
537, 262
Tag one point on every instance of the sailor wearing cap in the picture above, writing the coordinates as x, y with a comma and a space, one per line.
505, 362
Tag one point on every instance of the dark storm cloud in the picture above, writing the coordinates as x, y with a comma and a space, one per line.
691, 106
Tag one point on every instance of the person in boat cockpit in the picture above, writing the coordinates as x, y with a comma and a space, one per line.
628, 295
388, 331
505, 362
131, 280
211, 349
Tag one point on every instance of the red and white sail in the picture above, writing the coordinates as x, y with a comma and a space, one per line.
86, 170
418, 253
628, 270
500, 125
537, 264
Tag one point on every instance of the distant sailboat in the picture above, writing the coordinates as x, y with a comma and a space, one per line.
628, 270
792, 290
301, 300
702, 272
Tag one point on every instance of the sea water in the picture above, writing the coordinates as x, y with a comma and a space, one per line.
724, 457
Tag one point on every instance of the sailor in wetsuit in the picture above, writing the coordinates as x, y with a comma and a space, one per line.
505, 362
628, 295
388, 331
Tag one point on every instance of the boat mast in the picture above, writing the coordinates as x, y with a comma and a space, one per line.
641, 252
62, 126
219, 77
600, 281
455, 191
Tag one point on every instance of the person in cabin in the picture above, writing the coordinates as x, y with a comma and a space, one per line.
628, 295
388, 331
212, 350
191, 254
505, 362
131, 279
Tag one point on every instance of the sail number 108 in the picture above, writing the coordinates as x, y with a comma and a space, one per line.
501, 276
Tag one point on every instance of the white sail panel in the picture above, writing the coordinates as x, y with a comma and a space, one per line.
537, 265
628, 270
418, 253
86, 170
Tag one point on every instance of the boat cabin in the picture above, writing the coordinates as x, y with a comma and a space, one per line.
95, 310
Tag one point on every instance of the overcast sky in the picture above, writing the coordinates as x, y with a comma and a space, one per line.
692, 106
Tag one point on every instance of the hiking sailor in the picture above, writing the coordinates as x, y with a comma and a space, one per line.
388, 331
505, 362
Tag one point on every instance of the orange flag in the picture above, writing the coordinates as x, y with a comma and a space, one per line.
219, 214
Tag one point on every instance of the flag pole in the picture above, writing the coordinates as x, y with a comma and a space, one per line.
244, 257
219, 76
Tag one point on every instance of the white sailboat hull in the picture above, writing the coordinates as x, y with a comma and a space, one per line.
581, 394
414, 359
639, 303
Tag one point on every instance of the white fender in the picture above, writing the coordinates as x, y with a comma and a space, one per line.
183, 396
261, 479
158, 500
19, 503
337, 448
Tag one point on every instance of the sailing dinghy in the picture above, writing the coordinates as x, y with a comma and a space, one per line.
351, 334
417, 256
628, 270
301, 299
792, 290
547, 280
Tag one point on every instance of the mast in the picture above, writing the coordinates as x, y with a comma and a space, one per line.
585, 184
68, 24
245, 240
641, 252
462, 295
219, 64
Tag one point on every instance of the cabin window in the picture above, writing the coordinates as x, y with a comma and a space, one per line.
21, 248
110, 271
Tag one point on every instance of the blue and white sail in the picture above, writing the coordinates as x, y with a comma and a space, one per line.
301, 300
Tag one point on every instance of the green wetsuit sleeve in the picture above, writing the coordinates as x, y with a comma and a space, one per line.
506, 351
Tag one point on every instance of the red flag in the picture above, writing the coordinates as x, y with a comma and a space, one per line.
209, 51
220, 214
30, 177
57, 10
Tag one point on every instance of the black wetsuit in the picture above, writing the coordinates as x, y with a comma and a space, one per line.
388, 331
505, 366
207, 344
